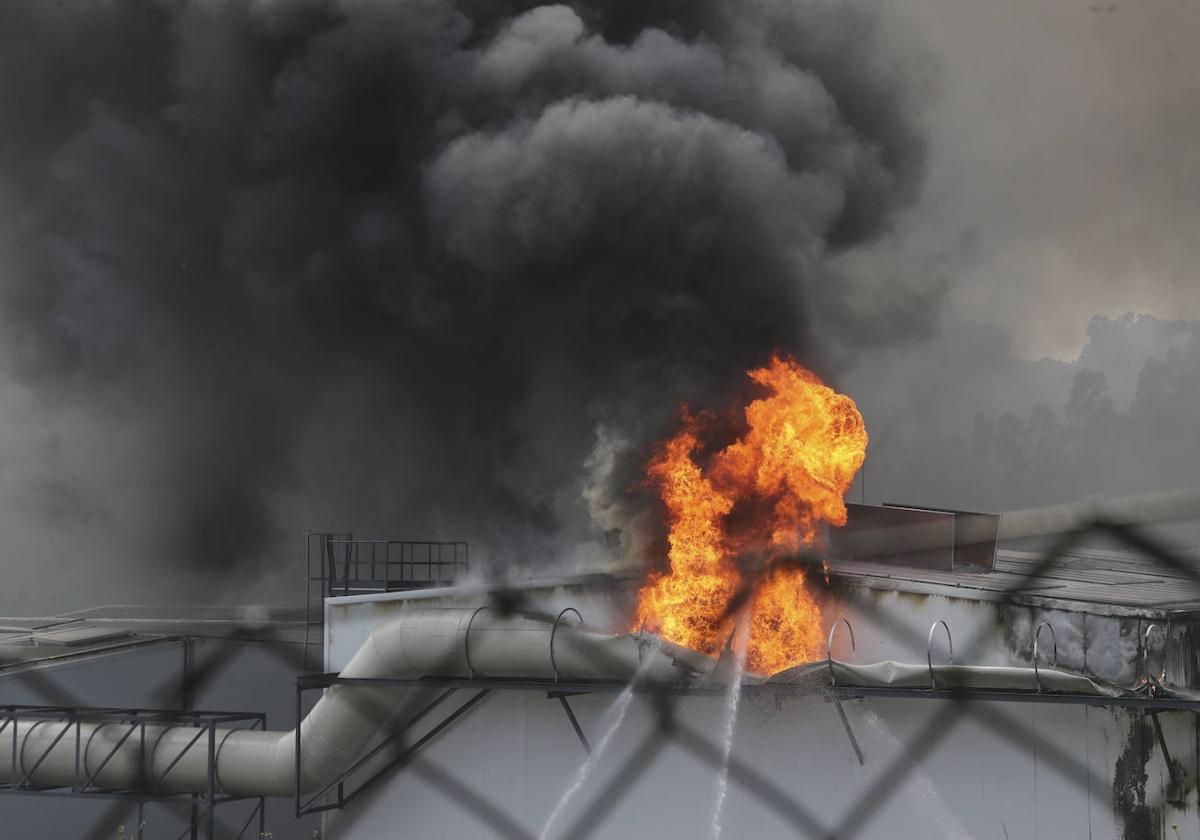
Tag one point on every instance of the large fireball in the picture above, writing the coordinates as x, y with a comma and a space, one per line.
786, 475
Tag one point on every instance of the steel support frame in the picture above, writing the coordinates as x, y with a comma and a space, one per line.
587, 747
312, 803
566, 688
205, 722
561, 690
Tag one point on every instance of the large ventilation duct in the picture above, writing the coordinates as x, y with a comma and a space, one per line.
420, 643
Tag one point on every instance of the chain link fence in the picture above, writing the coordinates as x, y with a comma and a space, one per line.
1128, 523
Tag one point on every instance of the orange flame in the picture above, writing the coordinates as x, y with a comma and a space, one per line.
763, 496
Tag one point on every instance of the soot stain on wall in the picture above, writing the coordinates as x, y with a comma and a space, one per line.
1139, 820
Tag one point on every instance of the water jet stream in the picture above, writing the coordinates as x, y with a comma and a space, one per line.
733, 698
616, 716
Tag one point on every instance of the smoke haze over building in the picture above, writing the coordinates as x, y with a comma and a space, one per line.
437, 269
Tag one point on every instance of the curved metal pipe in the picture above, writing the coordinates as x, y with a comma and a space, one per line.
448, 642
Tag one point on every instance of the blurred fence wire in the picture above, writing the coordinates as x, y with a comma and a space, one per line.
1126, 521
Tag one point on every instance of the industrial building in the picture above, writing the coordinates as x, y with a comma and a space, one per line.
967, 691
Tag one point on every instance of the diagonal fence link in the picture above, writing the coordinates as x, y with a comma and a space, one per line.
1069, 767
927, 740
509, 602
395, 736
993, 719
39, 681
935, 732
1052, 557
450, 785
963, 707
672, 731
803, 820
957, 706
200, 674
623, 780
939, 727
1138, 540
871, 801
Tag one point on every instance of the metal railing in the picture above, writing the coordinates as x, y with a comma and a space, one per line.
359, 566
339, 564
344, 565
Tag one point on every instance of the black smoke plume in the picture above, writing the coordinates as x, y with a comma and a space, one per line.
423, 268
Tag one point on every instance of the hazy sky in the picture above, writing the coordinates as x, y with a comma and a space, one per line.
1065, 161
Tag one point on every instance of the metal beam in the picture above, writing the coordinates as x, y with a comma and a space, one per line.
858, 753
555, 689
575, 723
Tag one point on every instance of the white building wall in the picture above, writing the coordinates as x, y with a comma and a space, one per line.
1071, 771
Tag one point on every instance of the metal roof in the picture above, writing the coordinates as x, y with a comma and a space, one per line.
1083, 580
1086, 580
98, 631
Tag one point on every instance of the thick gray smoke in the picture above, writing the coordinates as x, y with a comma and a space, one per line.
965, 423
425, 268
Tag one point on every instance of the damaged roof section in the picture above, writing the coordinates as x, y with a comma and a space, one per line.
1091, 580
955, 553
